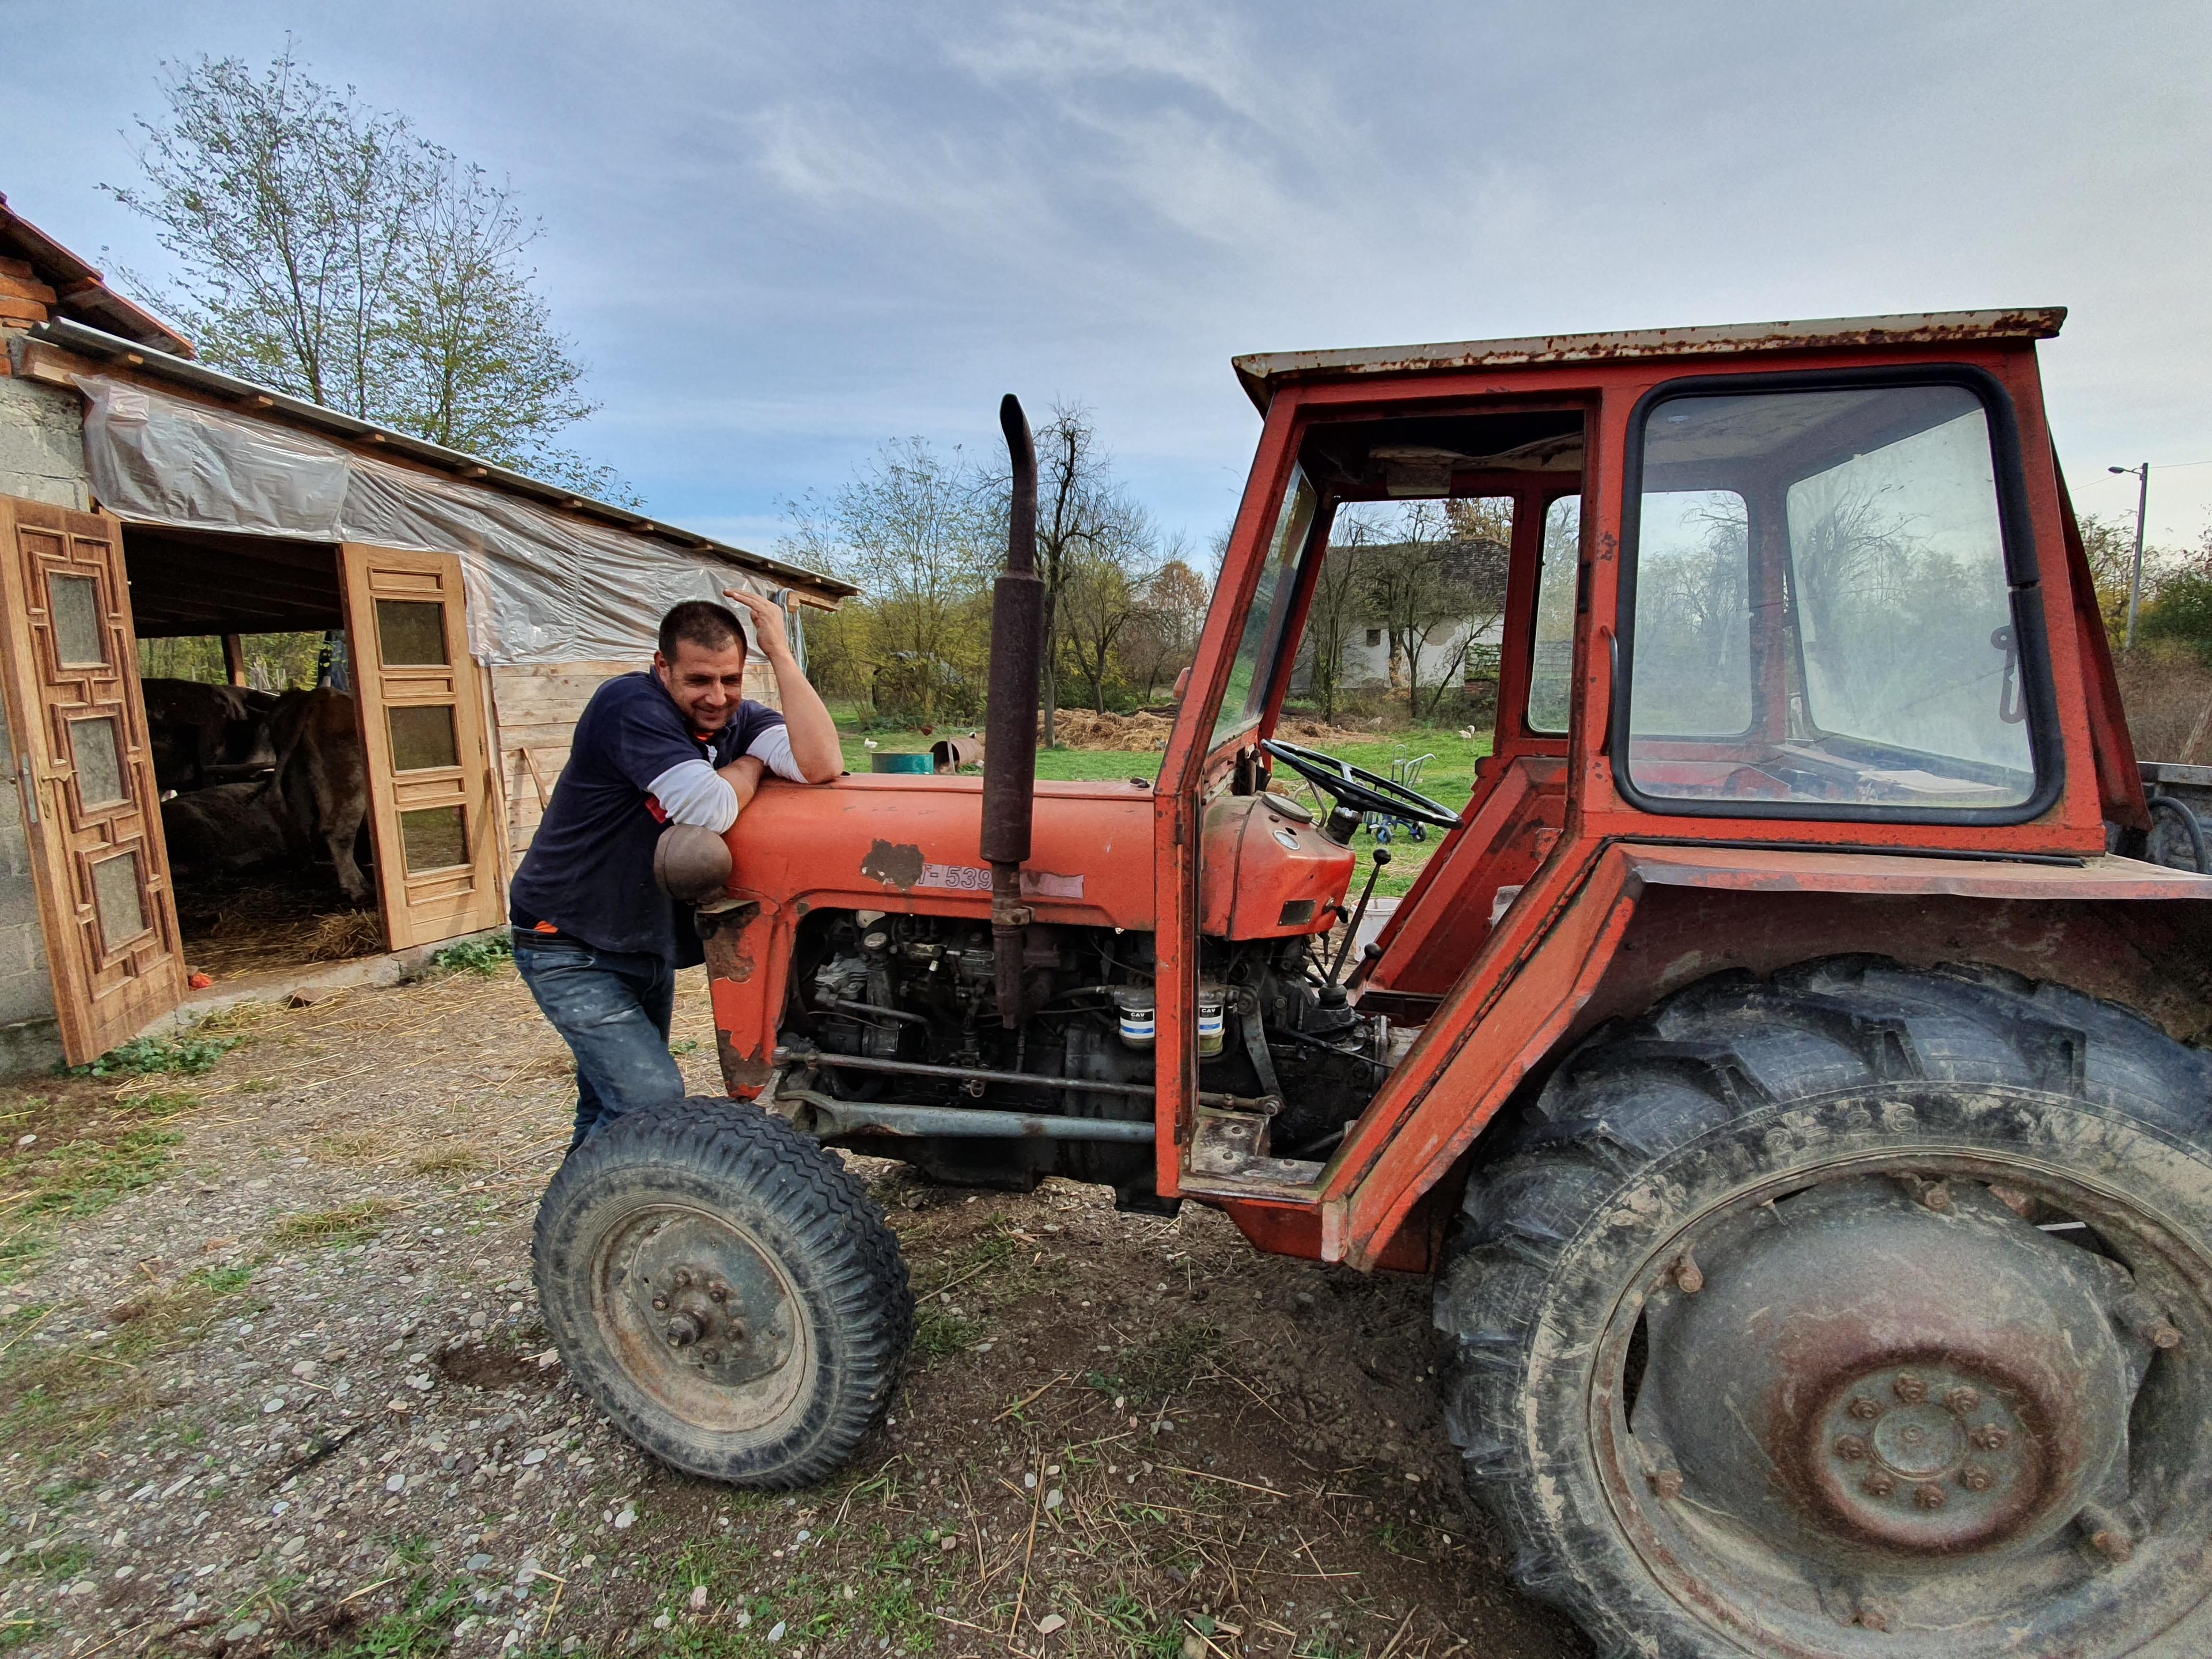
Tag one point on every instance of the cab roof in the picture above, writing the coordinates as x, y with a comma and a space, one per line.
1262, 372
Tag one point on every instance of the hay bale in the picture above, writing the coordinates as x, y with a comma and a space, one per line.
344, 935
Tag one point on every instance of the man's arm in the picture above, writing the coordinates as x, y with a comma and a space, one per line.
814, 743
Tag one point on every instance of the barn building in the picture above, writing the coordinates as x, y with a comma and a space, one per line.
469, 611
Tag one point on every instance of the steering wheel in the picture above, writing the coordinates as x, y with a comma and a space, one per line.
1357, 787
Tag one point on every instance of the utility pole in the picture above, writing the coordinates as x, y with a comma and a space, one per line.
2135, 582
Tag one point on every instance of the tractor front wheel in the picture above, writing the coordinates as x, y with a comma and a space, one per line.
1858, 1311
723, 1288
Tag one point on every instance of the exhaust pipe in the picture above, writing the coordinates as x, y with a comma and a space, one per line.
1010, 745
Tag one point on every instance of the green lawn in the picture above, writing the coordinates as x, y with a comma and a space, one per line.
1449, 777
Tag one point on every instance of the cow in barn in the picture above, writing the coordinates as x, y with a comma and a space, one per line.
322, 776
227, 828
202, 734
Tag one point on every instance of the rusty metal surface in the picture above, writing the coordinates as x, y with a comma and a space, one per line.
1263, 371
703, 1321
829, 1119
1876, 1380
1785, 870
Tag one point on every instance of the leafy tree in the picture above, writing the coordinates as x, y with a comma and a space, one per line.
1162, 638
326, 249
916, 530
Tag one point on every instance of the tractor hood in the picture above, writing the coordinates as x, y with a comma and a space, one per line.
912, 844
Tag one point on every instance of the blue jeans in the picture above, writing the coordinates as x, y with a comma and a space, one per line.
612, 1009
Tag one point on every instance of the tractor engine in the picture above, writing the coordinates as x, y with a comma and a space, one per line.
901, 1010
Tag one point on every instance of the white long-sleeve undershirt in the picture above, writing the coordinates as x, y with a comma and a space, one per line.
693, 792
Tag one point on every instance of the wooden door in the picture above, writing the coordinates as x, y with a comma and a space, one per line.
90, 807
433, 810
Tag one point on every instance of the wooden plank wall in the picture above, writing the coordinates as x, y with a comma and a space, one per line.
535, 711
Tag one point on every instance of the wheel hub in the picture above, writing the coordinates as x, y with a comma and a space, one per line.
703, 1320
1873, 1380
1925, 1457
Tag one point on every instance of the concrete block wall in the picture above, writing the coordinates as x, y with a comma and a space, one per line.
42, 459
29, 1040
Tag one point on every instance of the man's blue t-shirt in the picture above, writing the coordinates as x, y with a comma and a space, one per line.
589, 870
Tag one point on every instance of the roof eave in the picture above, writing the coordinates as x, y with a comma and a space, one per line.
1262, 372
266, 403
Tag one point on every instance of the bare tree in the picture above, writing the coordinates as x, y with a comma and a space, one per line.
328, 250
1081, 511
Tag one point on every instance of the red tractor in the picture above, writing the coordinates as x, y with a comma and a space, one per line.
1784, 1066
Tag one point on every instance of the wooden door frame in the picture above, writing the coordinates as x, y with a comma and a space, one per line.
91, 1020
456, 899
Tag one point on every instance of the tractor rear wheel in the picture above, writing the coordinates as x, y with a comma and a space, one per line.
722, 1287
1858, 1311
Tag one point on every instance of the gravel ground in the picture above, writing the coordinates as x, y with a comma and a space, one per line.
273, 1380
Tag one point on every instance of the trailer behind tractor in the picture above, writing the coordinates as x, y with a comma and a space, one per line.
1786, 1066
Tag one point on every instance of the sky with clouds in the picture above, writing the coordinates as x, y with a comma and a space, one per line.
781, 234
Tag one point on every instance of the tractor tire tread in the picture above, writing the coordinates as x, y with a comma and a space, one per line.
846, 1258
1639, 1090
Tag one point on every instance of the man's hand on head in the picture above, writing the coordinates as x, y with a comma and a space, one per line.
813, 734
769, 626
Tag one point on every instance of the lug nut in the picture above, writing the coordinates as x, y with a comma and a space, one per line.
712, 1356
1928, 1496
1850, 1448
1872, 1614
719, 1293
1937, 1196
1689, 1275
2107, 1534
1878, 1485
1963, 1400
1990, 1437
1975, 1478
683, 1278
1911, 1387
660, 1304
2160, 1334
1864, 1409
1666, 1483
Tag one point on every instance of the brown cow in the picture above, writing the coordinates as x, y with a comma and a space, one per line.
322, 776
227, 828
203, 734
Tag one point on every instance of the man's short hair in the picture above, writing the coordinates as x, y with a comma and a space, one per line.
703, 623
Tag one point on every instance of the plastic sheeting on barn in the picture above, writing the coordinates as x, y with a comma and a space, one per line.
544, 588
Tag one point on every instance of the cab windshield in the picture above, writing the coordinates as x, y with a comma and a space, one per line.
1821, 613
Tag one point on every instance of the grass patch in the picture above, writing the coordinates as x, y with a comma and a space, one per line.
449, 1160
1170, 1361
422, 1628
481, 956
225, 1281
78, 1178
350, 1224
1139, 1632
938, 1331
156, 1102
52, 1403
344, 1149
193, 1054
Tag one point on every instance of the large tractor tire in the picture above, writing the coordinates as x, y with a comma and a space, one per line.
1857, 1311
722, 1288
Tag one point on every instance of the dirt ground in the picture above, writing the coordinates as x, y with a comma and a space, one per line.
273, 1380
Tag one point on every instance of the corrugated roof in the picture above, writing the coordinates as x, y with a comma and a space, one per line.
266, 404
80, 291
1261, 372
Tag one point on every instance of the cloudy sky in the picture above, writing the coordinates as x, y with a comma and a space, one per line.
781, 234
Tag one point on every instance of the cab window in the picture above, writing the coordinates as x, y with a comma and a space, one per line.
1821, 613
1246, 697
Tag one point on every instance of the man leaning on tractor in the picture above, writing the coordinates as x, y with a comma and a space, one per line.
595, 939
